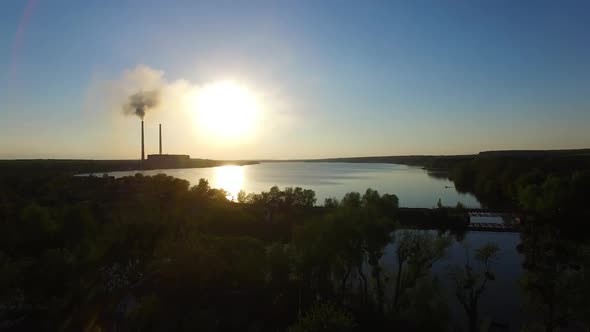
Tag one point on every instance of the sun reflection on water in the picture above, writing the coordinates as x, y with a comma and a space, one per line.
230, 179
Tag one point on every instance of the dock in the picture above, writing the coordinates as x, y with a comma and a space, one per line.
490, 227
506, 226
453, 218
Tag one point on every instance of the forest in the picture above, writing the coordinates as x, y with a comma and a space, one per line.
145, 253
554, 185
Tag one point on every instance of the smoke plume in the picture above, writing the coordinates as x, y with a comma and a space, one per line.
140, 102
142, 90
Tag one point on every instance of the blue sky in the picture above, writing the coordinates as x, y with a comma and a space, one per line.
336, 78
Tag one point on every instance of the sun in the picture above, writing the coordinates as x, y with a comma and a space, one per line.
226, 109
229, 178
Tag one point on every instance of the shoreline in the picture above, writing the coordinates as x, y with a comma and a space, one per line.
89, 166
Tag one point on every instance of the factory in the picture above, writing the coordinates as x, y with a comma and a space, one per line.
161, 160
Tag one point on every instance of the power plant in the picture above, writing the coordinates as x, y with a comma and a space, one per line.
161, 160
142, 143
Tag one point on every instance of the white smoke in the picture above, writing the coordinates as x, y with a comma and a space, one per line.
144, 90
178, 109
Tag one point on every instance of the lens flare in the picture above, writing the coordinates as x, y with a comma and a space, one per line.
230, 179
226, 110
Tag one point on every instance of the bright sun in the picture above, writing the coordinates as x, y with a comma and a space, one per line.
227, 110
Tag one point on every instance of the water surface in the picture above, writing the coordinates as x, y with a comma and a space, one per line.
502, 299
413, 186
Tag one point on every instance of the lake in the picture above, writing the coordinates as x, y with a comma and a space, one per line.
413, 186
502, 299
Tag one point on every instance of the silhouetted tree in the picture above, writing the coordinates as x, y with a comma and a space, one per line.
324, 318
470, 283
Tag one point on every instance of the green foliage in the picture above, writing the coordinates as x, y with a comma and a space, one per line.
554, 281
351, 200
386, 204
187, 258
470, 283
279, 262
331, 202
289, 198
486, 253
11, 276
203, 191
37, 228
203, 262
242, 197
416, 252
324, 318
141, 317
547, 184
425, 299
331, 249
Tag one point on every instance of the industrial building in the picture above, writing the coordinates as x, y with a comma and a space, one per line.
168, 160
161, 160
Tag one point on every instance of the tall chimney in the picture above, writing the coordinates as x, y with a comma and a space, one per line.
142, 147
160, 138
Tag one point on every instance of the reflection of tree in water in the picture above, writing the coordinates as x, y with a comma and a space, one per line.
471, 281
417, 292
555, 281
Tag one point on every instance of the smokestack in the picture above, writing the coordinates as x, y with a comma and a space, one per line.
142, 146
160, 138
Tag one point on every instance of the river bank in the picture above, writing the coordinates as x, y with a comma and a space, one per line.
89, 166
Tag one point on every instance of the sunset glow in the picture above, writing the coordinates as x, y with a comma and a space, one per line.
230, 179
226, 110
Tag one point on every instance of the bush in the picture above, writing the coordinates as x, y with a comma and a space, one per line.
324, 318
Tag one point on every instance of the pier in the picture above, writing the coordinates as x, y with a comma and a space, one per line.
451, 217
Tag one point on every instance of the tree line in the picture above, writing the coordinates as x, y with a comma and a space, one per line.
548, 185
150, 253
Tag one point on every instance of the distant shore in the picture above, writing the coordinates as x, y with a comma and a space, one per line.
89, 166
433, 163
444, 162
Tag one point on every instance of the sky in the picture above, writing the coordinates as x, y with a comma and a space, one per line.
331, 78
